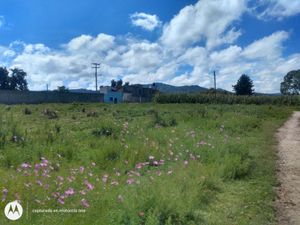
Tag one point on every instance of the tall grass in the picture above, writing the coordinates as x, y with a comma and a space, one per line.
227, 99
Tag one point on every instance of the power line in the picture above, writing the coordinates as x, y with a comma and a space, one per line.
96, 66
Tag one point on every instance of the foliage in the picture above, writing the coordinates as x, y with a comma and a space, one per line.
14, 81
244, 86
62, 89
291, 83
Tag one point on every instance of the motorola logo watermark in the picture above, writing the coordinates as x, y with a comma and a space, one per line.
13, 210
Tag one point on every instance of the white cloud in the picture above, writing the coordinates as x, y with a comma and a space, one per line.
268, 47
207, 20
146, 21
279, 8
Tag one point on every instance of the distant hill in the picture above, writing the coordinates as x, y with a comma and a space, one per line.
81, 91
166, 88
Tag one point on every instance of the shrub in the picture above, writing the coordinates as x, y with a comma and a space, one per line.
27, 111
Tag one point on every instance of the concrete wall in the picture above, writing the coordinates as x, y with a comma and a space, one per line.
35, 97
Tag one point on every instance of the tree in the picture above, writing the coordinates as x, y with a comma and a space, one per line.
4, 83
113, 83
17, 80
14, 81
291, 83
62, 89
119, 84
244, 86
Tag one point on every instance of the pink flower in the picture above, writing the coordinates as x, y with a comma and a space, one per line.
158, 173
139, 166
69, 192
85, 203
155, 163
89, 185
39, 183
81, 169
61, 200
130, 181
4, 191
25, 166
186, 162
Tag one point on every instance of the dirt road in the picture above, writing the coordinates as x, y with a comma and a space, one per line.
288, 203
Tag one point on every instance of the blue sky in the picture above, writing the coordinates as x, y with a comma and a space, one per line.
144, 41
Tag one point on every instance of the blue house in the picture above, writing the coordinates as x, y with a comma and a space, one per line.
113, 97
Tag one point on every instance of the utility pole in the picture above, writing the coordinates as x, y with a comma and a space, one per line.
215, 83
47, 87
96, 66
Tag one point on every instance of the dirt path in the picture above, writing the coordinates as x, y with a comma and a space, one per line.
288, 203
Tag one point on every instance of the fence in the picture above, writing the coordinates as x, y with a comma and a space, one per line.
36, 97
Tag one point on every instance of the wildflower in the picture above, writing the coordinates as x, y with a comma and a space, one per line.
130, 181
89, 185
25, 166
170, 172
69, 192
158, 173
61, 200
93, 164
118, 173
186, 162
5, 191
155, 163
81, 169
85, 203
161, 162
39, 183
139, 166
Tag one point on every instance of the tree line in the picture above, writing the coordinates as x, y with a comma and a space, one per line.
13, 79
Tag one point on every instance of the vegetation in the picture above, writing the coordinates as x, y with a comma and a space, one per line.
244, 86
140, 164
16, 80
291, 83
227, 99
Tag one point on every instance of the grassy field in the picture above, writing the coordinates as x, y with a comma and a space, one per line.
140, 164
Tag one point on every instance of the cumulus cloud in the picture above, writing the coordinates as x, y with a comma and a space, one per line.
278, 9
207, 20
146, 21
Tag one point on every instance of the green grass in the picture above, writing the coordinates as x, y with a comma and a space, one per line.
218, 163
